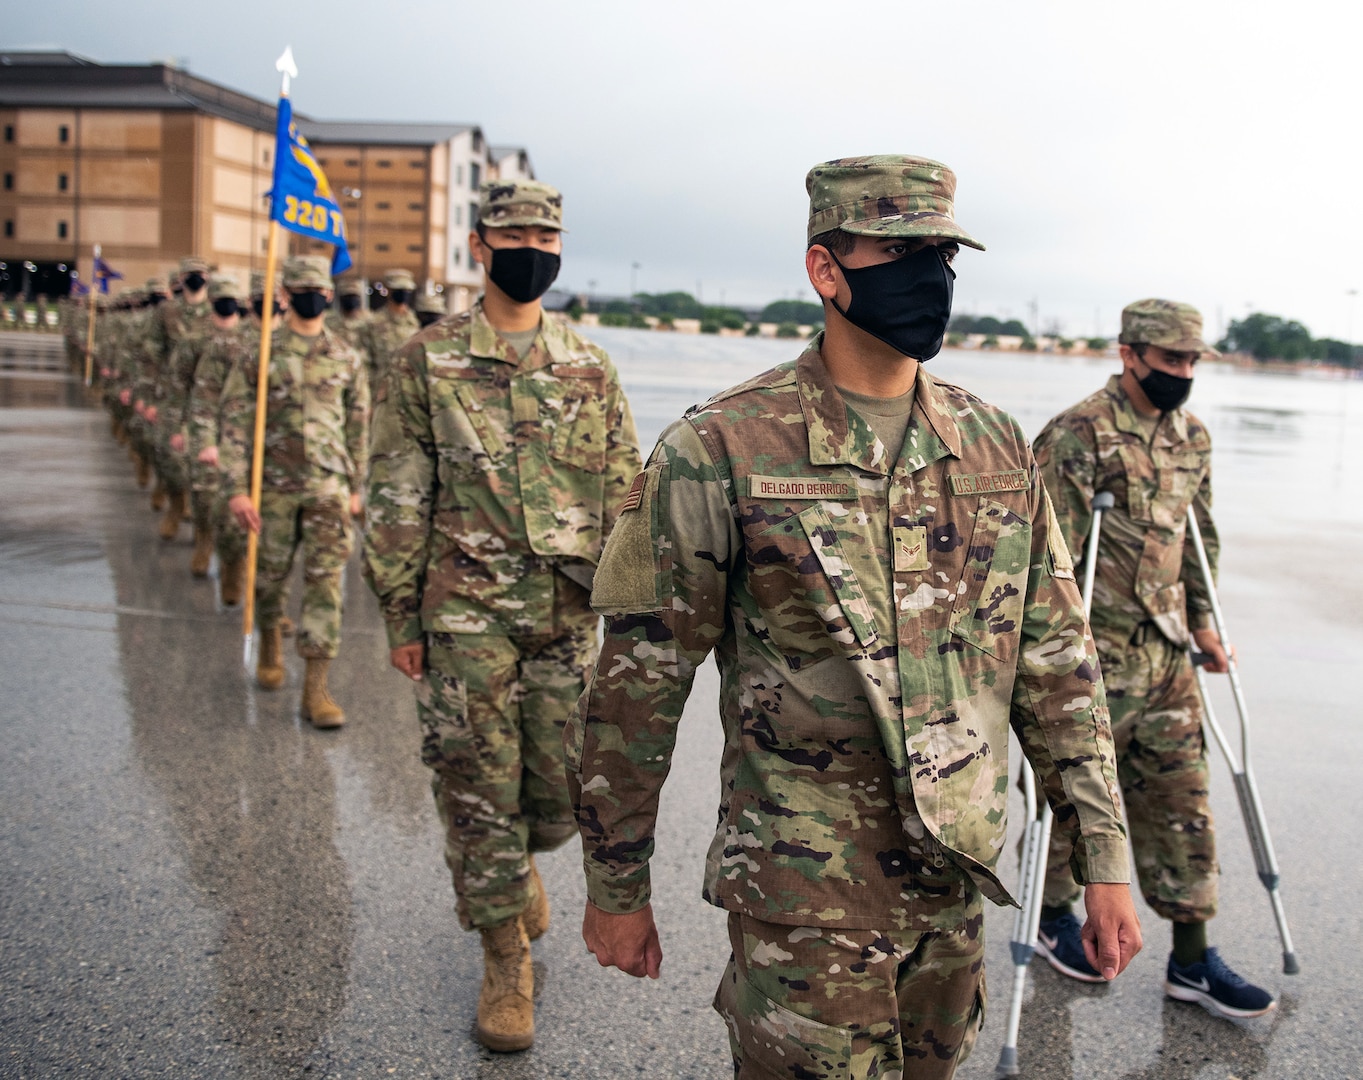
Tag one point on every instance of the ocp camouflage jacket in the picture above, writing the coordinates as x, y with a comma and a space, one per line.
316, 416
489, 471
877, 625
1155, 469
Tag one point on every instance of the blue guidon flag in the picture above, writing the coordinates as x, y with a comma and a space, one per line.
301, 199
104, 273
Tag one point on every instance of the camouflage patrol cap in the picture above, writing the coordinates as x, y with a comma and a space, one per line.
399, 279
350, 287
884, 195
505, 203
1164, 323
222, 286
258, 282
155, 285
192, 264
307, 272
431, 303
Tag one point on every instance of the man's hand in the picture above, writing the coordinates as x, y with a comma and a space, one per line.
125, 397
208, 456
150, 414
177, 443
247, 516
628, 942
409, 659
356, 505
1112, 933
1208, 641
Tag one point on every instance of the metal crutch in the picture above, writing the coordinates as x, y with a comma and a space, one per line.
1036, 839
1246, 790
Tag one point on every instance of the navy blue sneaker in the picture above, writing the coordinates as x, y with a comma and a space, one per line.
1059, 942
1216, 988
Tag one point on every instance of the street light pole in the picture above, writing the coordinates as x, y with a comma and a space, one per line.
358, 194
634, 269
1352, 294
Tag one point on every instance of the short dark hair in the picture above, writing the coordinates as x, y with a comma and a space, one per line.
835, 240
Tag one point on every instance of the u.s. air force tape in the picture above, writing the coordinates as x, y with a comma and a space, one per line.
983, 483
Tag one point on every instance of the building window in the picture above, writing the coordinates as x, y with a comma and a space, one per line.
458, 216
459, 174
61, 230
9, 181
457, 255
380, 247
265, 155
415, 247
473, 214
9, 133
381, 206
417, 164
63, 133
418, 207
61, 181
9, 228
384, 164
477, 141
475, 175
352, 163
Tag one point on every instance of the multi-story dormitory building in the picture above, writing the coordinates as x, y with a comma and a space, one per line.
153, 163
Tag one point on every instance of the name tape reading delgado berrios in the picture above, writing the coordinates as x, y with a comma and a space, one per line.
799, 487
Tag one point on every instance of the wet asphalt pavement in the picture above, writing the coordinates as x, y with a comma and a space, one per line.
197, 885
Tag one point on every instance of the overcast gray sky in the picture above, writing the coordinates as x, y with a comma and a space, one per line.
1106, 151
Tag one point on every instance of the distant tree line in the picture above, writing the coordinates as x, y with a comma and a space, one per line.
1269, 337
670, 306
988, 325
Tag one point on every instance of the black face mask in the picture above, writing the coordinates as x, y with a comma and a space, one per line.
225, 306
351, 304
425, 318
307, 305
258, 306
194, 282
523, 273
1166, 392
905, 303
401, 296
155, 298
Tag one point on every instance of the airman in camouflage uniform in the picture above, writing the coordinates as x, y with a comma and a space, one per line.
349, 317
502, 445
388, 328
1134, 439
137, 390
870, 555
316, 454
430, 307
182, 317
214, 528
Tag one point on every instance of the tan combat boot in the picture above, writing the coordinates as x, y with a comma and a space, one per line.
319, 708
158, 493
506, 1007
175, 513
535, 917
230, 576
270, 665
203, 552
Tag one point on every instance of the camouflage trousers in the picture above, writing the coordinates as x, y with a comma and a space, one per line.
172, 466
210, 512
1162, 769
492, 711
319, 520
807, 1003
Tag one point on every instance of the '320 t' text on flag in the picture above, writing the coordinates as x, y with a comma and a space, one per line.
301, 199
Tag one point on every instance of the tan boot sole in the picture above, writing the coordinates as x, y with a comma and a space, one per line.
270, 678
326, 723
505, 1044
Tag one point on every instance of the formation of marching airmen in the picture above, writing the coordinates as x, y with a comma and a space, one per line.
885, 570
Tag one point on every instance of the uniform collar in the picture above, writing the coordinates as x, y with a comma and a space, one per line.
485, 342
1170, 430
932, 433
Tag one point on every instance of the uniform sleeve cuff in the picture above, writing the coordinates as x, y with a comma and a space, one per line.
616, 895
1200, 620
404, 632
1107, 863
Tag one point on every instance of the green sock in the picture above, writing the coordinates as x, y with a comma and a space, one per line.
1050, 914
1190, 943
